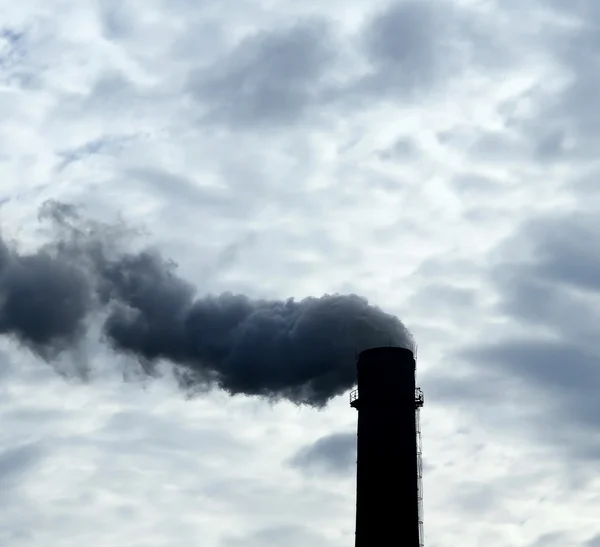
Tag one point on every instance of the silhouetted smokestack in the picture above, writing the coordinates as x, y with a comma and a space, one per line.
302, 351
388, 463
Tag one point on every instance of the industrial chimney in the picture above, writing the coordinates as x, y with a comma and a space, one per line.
389, 470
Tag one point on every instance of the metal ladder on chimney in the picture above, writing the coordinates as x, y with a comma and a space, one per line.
418, 404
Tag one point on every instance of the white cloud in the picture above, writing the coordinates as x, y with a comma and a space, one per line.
436, 157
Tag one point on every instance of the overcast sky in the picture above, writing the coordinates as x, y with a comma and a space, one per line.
436, 157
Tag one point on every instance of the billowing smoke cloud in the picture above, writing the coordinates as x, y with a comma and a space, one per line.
303, 351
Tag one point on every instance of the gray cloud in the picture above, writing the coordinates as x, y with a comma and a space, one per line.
401, 150
195, 195
495, 146
269, 78
276, 536
401, 42
586, 185
15, 462
564, 124
476, 186
414, 47
441, 295
475, 498
551, 539
568, 250
280, 77
547, 278
334, 453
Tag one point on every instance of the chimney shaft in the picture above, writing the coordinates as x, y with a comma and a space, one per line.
388, 464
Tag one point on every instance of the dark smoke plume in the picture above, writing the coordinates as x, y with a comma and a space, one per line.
303, 351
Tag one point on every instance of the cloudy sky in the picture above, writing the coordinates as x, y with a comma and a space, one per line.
437, 157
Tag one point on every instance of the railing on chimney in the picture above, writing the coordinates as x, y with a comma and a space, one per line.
418, 397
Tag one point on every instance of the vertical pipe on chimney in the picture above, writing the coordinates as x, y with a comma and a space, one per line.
388, 462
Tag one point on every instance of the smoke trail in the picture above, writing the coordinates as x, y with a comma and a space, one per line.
303, 351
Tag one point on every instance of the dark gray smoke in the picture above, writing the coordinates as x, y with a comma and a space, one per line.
303, 351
